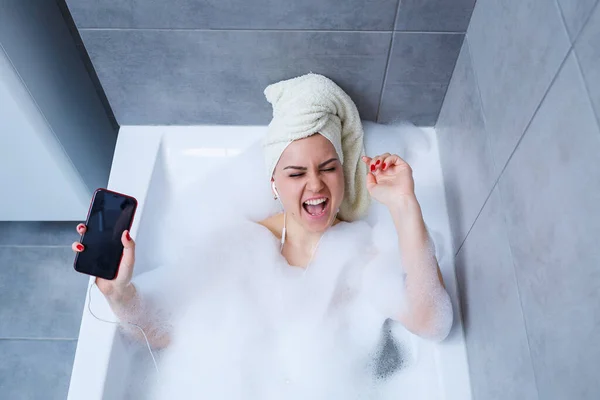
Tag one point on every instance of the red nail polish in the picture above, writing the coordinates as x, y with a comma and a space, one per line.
372, 168
79, 247
127, 237
383, 166
378, 161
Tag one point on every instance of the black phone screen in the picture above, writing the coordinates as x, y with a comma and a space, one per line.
110, 214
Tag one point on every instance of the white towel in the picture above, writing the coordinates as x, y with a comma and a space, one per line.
313, 104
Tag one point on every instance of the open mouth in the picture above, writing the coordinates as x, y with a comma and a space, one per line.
316, 207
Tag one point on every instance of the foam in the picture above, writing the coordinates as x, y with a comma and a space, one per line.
247, 325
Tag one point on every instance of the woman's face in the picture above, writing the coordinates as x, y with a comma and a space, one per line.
310, 182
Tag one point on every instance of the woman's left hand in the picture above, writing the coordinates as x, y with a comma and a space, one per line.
389, 178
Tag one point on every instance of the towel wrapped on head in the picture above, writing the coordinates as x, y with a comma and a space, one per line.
313, 104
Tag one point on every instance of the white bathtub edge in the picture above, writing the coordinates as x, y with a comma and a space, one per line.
96, 338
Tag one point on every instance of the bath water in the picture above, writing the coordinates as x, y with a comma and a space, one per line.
246, 325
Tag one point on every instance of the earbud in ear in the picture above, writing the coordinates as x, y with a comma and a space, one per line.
274, 189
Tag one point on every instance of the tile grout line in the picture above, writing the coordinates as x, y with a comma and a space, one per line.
450, 81
276, 30
50, 246
32, 339
487, 139
480, 98
585, 83
533, 115
586, 86
518, 142
477, 88
387, 64
476, 218
563, 20
512, 259
587, 19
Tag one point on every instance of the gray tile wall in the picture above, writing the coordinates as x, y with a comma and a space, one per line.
519, 139
208, 61
41, 301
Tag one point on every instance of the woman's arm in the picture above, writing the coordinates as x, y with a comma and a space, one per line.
124, 299
130, 308
428, 310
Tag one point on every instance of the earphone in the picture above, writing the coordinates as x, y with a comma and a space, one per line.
283, 232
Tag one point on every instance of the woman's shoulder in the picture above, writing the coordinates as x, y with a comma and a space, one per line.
274, 224
272, 227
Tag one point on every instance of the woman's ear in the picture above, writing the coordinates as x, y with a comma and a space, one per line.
274, 188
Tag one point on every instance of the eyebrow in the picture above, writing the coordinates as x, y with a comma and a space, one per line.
304, 168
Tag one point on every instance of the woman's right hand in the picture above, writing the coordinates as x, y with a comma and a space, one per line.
114, 289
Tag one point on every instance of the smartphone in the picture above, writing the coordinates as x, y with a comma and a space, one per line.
110, 214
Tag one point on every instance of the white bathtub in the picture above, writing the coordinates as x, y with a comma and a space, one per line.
151, 162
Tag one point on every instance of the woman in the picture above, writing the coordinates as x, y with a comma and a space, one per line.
318, 171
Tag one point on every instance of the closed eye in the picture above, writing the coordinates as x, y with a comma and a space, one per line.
301, 174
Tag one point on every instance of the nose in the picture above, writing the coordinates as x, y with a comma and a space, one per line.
315, 183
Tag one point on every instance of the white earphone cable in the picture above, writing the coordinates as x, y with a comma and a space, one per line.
284, 231
118, 323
